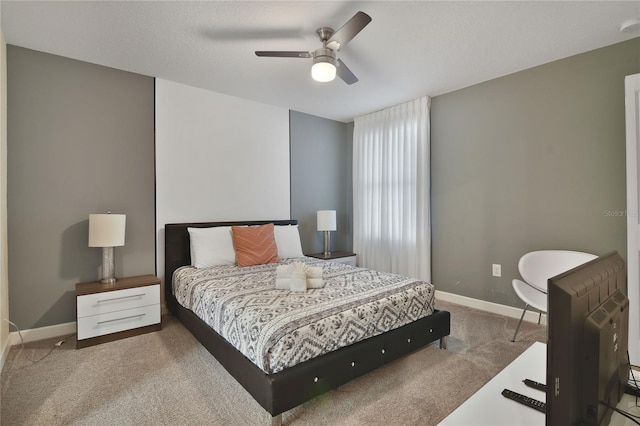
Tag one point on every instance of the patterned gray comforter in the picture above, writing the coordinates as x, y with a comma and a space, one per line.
277, 329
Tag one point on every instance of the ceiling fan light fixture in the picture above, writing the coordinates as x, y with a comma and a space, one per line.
323, 71
324, 65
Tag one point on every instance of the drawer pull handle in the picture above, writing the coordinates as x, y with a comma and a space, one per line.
120, 298
121, 319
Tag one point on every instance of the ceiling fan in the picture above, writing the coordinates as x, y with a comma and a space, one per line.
325, 66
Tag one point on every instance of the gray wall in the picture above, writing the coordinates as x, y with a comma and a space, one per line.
534, 160
80, 141
321, 152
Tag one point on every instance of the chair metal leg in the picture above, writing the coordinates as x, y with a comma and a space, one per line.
539, 317
519, 323
276, 420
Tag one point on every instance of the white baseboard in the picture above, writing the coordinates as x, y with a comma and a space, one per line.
41, 333
495, 308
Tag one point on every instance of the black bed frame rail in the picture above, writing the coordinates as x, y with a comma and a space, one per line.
287, 389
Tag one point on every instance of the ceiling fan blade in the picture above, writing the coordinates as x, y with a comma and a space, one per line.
348, 31
345, 73
283, 54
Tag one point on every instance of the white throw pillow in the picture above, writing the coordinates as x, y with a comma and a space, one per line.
288, 241
211, 246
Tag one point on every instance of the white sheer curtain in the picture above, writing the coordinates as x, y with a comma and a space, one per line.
391, 213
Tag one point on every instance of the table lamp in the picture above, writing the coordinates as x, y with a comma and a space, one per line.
107, 231
326, 222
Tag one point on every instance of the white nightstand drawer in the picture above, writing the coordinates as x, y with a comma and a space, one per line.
112, 322
118, 300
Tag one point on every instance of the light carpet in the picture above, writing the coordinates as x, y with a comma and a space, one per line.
168, 378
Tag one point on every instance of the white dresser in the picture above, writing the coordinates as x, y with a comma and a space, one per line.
107, 312
488, 407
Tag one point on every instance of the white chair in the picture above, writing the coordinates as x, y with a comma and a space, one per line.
536, 268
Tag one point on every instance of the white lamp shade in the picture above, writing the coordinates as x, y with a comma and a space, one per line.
323, 71
326, 220
106, 230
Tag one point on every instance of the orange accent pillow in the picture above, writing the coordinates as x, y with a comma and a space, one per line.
255, 245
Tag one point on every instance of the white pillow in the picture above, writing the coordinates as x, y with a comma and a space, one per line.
211, 246
288, 241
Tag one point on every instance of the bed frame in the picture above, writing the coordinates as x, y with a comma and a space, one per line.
289, 388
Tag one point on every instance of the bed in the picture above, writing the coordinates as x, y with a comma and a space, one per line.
280, 387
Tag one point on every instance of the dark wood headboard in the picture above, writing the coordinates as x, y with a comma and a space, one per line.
177, 250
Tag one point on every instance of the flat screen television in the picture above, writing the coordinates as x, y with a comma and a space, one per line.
587, 363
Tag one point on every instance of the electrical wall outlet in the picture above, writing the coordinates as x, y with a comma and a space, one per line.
496, 270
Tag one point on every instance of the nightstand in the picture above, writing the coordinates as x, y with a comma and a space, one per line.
107, 312
337, 257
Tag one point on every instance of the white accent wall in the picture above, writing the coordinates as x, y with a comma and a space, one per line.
218, 158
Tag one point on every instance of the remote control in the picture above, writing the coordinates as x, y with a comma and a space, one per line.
540, 386
525, 400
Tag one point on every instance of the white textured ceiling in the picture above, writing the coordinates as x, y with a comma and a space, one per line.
409, 49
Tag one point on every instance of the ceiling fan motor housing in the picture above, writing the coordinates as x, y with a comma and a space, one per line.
324, 54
